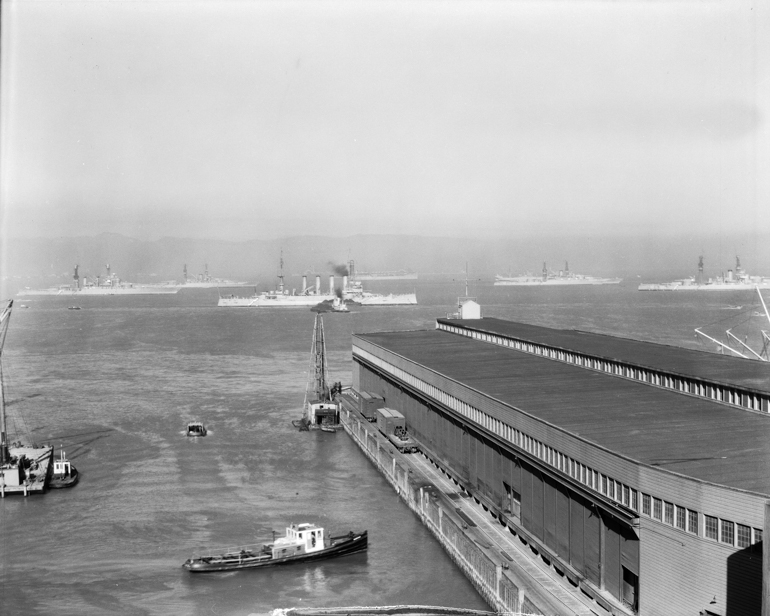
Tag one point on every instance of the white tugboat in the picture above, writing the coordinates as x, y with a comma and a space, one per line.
64, 474
301, 543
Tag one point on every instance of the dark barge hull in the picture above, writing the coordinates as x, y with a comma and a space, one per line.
341, 546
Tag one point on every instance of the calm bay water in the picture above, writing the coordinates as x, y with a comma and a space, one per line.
116, 382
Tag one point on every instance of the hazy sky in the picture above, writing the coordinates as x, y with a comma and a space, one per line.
261, 119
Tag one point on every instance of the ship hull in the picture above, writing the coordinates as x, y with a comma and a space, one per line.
58, 482
341, 546
212, 285
88, 291
408, 299
360, 276
274, 301
287, 301
567, 282
765, 284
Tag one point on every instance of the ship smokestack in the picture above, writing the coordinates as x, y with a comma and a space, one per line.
304, 284
700, 270
344, 283
317, 285
352, 269
331, 284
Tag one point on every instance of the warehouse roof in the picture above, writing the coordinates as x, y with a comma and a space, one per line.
747, 374
692, 436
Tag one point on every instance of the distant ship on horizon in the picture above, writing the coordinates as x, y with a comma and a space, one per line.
108, 285
396, 275
204, 281
352, 291
737, 280
384, 275
550, 278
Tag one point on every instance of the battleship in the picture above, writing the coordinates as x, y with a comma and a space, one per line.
550, 278
204, 281
282, 297
737, 280
310, 296
395, 275
111, 284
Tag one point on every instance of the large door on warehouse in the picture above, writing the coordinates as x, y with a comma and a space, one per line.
570, 525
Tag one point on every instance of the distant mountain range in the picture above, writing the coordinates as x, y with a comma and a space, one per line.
48, 261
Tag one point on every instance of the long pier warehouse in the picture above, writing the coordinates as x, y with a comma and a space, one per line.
639, 470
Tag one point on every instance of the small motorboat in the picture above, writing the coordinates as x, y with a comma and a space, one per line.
196, 428
73, 308
302, 543
64, 474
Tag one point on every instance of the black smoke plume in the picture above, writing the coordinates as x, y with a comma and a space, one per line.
340, 270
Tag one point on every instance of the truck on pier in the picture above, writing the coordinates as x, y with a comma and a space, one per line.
392, 425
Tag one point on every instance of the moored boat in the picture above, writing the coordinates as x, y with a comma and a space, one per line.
64, 474
301, 543
196, 428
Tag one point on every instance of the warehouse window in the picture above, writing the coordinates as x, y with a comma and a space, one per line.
681, 517
757, 535
634, 502
711, 527
692, 521
728, 532
744, 536
646, 507
604, 484
626, 495
657, 508
668, 510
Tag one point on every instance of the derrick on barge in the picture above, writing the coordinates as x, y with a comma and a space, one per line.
638, 471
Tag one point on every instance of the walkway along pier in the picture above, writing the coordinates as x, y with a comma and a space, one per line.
489, 555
